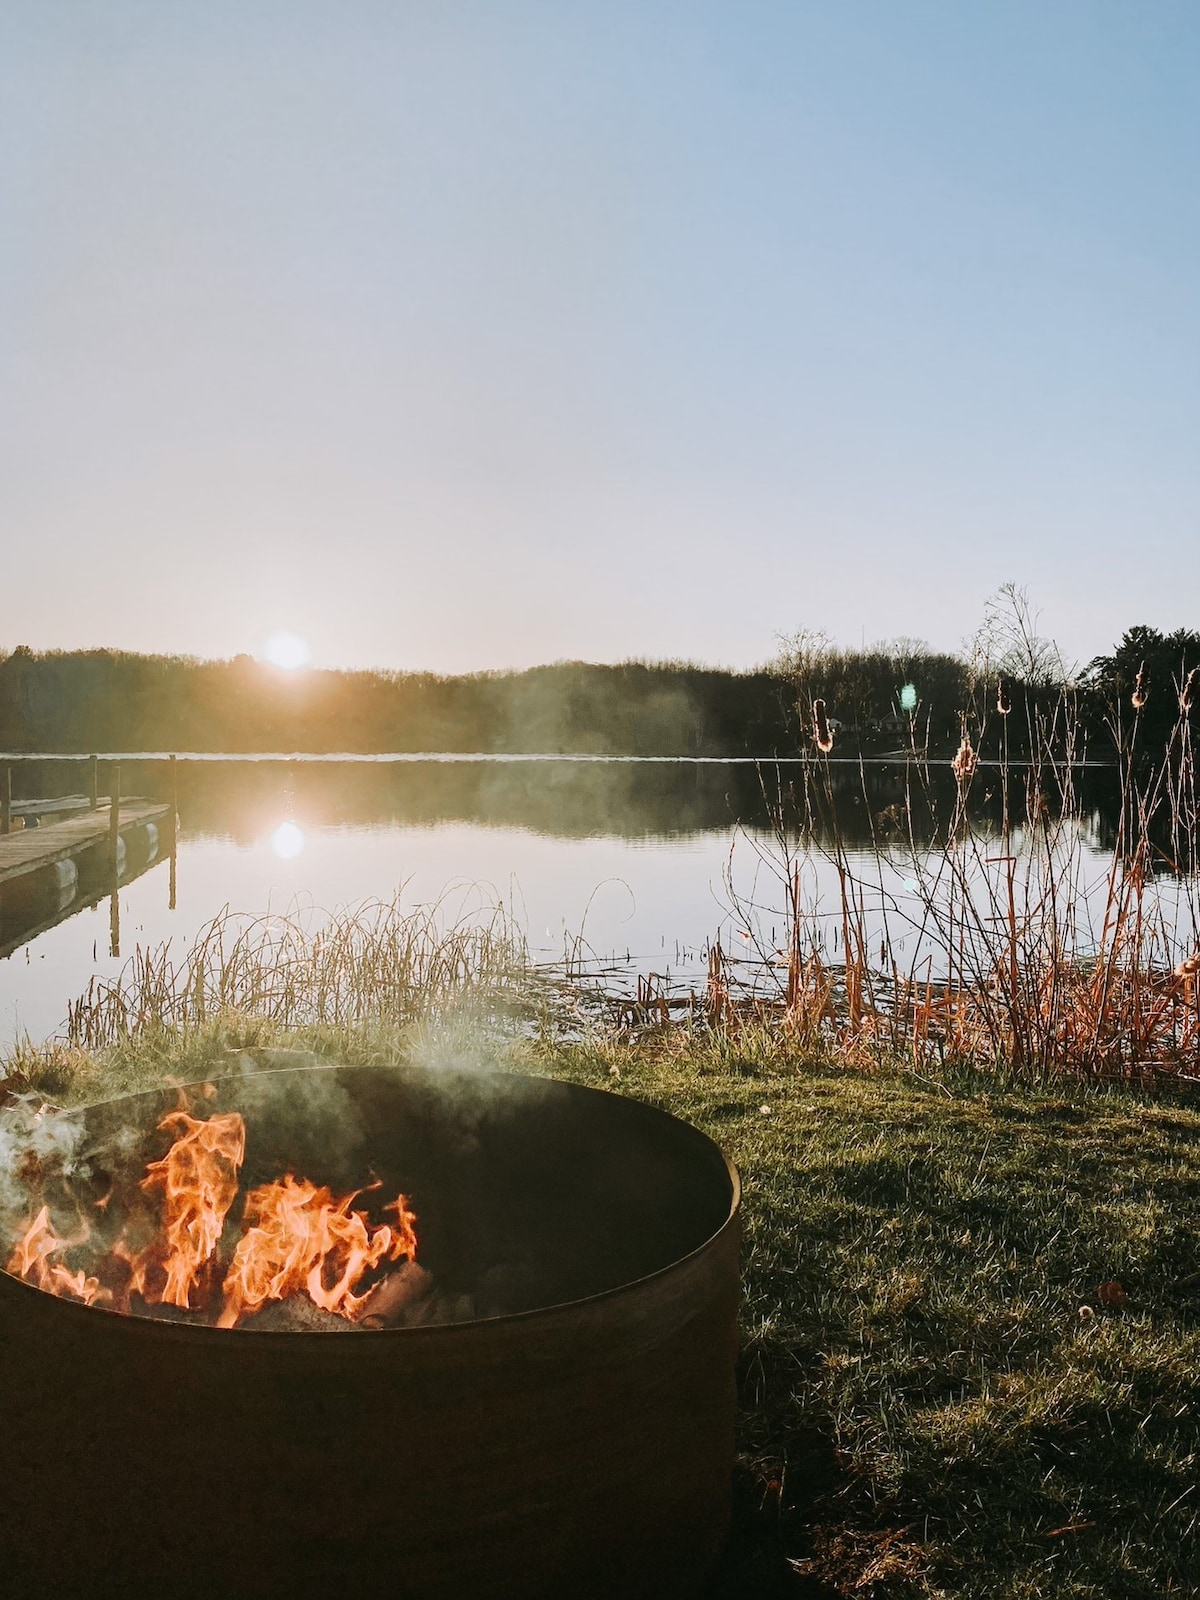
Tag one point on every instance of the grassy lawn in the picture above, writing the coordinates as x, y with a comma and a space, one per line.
971, 1356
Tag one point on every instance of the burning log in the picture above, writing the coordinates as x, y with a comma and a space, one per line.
397, 1300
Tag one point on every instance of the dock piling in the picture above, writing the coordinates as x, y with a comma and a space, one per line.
93, 784
174, 834
114, 817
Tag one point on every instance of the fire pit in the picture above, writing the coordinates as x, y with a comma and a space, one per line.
528, 1393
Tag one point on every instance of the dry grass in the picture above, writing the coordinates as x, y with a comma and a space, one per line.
352, 966
1018, 952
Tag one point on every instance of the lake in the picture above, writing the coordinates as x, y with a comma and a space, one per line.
643, 862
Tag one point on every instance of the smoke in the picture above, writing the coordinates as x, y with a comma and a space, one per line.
461, 1040
37, 1143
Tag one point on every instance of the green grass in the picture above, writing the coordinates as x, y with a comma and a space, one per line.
935, 1400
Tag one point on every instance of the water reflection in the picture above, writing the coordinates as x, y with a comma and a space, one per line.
877, 802
287, 841
40, 899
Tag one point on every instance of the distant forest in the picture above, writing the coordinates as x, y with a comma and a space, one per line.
107, 700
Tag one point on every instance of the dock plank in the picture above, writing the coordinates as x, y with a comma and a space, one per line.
40, 847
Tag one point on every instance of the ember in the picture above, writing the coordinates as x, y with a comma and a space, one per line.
298, 1238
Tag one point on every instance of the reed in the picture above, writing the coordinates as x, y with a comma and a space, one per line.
1018, 953
359, 964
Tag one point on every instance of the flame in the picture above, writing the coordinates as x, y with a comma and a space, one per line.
299, 1238
302, 1240
198, 1178
31, 1261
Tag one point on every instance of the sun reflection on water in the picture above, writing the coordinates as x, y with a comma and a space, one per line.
287, 841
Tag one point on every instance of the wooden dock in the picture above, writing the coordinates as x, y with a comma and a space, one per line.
32, 848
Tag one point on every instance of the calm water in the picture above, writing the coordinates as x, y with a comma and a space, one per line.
635, 857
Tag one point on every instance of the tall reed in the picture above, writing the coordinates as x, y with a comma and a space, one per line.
1018, 950
357, 964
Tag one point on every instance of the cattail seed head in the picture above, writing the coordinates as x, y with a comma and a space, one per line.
1190, 685
965, 761
1139, 688
1003, 699
822, 733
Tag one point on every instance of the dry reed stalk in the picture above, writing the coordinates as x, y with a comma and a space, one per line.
1037, 967
360, 964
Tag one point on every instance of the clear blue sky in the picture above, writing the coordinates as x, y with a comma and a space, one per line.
454, 334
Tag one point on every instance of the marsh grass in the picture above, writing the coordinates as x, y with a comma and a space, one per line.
355, 965
1019, 949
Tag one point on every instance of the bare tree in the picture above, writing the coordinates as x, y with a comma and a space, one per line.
1007, 643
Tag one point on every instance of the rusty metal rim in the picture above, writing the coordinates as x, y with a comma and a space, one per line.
185, 1330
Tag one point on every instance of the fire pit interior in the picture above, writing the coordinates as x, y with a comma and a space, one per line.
537, 1288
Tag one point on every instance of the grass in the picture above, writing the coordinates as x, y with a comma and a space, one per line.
971, 1342
937, 1398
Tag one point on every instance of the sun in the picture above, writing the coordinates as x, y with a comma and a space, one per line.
287, 650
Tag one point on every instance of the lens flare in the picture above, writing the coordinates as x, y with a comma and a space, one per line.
287, 650
287, 841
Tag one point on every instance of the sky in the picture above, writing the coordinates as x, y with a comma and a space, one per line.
477, 333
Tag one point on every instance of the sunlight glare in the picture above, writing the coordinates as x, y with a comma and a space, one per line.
287, 650
287, 841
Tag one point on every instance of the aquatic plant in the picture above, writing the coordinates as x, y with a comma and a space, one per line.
357, 964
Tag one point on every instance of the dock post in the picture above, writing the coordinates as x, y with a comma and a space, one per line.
174, 833
93, 784
6, 800
114, 817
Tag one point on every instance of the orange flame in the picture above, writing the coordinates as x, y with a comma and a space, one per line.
31, 1261
198, 1178
302, 1240
299, 1239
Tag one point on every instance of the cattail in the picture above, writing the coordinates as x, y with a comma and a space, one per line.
1003, 701
822, 732
965, 761
1190, 684
1139, 688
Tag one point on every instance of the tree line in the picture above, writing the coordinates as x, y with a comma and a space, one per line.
99, 700
881, 698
